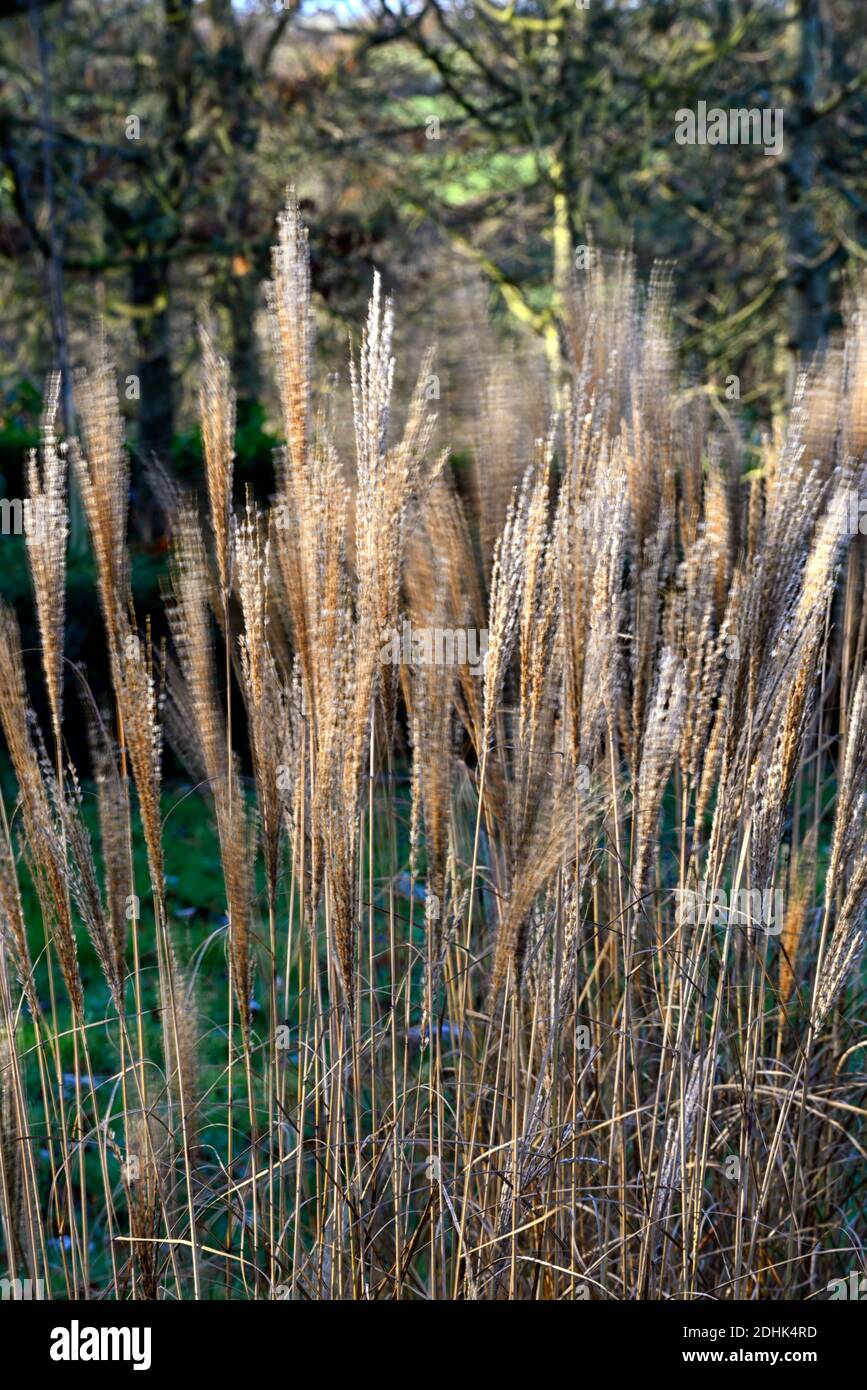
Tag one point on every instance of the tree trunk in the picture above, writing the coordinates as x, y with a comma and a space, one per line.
234, 74
808, 290
150, 300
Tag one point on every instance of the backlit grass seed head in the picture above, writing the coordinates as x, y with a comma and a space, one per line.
101, 466
292, 331
46, 549
192, 629
140, 707
217, 416
114, 822
267, 709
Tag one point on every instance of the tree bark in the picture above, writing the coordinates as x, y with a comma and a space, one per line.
150, 299
808, 290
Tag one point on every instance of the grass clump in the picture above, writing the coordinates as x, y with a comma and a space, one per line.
532, 976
